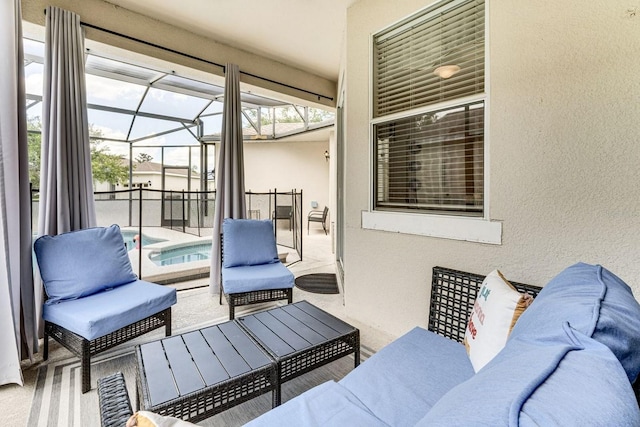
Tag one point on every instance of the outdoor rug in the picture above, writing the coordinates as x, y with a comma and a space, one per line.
58, 401
318, 283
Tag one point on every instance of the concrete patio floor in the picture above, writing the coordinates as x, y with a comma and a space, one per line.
196, 306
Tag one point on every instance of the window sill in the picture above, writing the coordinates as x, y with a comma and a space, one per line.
446, 227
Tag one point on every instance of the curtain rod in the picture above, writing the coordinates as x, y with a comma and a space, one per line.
157, 46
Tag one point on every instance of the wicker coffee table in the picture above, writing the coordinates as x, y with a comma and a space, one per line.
196, 375
301, 337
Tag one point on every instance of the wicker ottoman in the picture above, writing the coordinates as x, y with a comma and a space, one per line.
198, 374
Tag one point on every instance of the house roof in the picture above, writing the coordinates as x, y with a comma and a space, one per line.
156, 168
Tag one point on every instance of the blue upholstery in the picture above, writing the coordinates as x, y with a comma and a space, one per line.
251, 271
569, 361
545, 382
256, 277
327, 405
80, 263
248, 242
595, 302
107, 311
95, 300
420, 367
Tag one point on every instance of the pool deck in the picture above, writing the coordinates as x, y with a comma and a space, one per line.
150, 271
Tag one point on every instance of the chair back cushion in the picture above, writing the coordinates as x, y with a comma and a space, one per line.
80, 263
248, 242
561, 380
595, 302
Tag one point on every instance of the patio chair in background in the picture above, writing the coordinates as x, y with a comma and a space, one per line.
282, 212
251, 271
318, 216
94, 300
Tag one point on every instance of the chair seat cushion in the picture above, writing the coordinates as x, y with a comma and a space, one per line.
83, 262
256, 278
326, 405
107, 311
401, 382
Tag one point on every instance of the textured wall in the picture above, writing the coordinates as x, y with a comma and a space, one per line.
563, 146
287, 166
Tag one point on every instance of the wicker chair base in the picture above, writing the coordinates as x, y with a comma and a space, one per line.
255, 297
84, 349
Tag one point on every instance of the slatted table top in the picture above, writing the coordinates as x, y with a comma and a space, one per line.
195, 375
292, 328
301, 337
194, 365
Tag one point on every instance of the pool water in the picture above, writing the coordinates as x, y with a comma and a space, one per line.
128, 236
191, 253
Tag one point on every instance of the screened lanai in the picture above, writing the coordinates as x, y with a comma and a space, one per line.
153, 134
142, 112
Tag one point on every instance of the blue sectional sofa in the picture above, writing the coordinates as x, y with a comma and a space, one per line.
571, 359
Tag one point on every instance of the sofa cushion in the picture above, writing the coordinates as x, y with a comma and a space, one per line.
248, 242
80, 263
497, 307
569, 379
326, 405
402, 381
104, 312
256, 277
595, 302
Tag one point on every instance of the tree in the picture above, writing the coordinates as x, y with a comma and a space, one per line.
143, 157
34, 129
106, 167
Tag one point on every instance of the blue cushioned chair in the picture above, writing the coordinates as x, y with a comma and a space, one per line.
251, 272
94, 300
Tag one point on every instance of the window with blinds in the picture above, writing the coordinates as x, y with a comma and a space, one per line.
429, 157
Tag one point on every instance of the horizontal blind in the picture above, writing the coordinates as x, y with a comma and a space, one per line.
432, 162
406, 55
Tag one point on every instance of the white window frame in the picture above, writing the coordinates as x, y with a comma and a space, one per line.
472, 229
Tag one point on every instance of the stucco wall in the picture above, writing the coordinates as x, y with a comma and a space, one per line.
285, 166
563, 144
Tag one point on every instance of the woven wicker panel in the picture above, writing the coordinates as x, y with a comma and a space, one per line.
453, 294
207, 402
115, 407
84, 349
308, 360
255, 297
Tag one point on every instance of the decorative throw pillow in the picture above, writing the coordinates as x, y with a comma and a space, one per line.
150, 419
495, 311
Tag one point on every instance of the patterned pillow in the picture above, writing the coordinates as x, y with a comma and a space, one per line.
151, 419
495, 311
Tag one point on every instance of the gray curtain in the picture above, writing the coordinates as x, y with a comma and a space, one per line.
66, 189
230, 197
17, 305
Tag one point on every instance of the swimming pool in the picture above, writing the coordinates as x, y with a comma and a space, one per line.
196, 252
128, 236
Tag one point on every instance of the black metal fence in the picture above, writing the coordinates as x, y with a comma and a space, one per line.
138, 211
